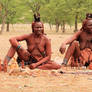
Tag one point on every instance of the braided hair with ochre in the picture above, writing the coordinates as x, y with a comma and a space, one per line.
36, 19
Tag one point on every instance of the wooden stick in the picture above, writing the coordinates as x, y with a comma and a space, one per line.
22, 64
89, 73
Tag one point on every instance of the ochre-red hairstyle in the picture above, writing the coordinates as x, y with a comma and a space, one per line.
88, 17
37, 19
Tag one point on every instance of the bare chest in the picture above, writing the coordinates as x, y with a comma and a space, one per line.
36, 43
84, 37
85, 40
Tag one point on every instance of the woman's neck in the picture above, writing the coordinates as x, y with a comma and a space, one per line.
37, 36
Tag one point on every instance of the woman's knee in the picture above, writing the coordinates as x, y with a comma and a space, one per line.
58, 67
75, 43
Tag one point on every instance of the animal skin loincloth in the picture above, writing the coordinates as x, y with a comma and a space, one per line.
84, 58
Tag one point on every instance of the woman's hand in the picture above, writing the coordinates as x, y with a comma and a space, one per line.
62, 48
32, 66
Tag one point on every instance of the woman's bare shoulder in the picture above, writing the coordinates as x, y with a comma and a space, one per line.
46, 38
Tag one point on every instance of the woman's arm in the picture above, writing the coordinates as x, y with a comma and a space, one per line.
23, 53
15, 40
69, 41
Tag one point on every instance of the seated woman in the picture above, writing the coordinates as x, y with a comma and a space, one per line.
38, 53
79, 51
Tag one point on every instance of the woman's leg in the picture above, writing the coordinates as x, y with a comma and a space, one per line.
10, 54
8, 57
73, 50
49, 66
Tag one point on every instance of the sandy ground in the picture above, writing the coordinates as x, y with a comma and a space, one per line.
47, 81
43, 80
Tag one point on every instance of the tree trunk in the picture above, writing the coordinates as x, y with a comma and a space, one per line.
63, 30
57, 24
57, 27
7, 30
50, 26
76, 25
3, 25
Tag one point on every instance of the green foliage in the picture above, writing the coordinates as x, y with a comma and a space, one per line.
80, 7
51, 11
